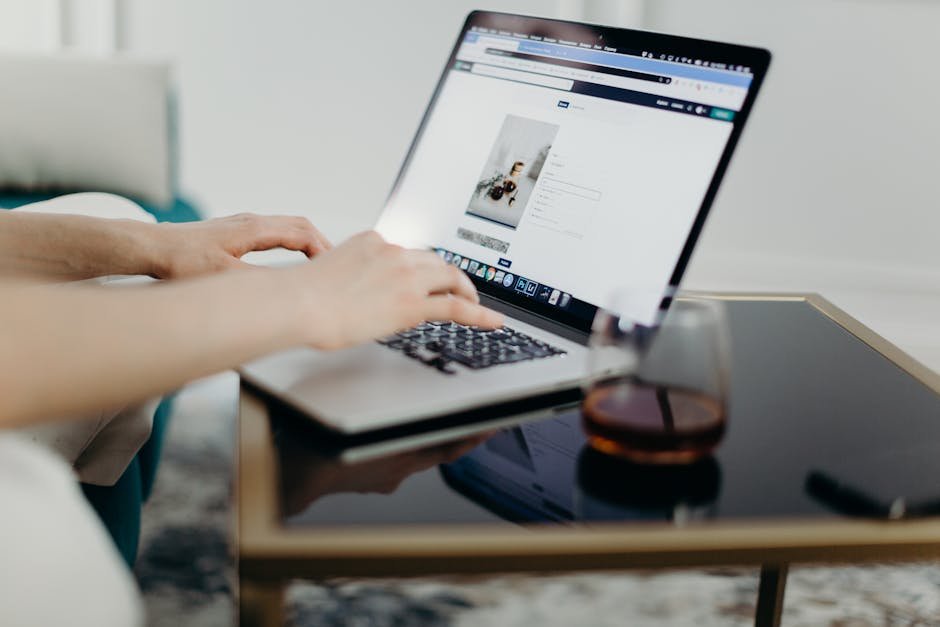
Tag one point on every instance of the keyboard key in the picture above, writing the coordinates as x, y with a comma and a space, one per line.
441, 344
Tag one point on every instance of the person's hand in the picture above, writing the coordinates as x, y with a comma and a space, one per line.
366, 288
195, 248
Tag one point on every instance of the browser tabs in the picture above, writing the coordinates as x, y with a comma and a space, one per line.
602, 71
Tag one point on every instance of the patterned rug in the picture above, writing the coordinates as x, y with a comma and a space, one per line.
186, 568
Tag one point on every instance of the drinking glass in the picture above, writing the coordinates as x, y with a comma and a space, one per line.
657, 393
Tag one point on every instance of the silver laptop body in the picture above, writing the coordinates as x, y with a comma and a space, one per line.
556, 163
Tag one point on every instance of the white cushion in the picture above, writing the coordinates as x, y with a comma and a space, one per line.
94, 204
86, 124
59, 565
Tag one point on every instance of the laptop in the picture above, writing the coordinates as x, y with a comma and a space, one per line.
557, 162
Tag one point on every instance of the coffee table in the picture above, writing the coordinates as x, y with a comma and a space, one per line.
809, 384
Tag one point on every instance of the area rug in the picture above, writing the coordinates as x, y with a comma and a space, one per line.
186, 569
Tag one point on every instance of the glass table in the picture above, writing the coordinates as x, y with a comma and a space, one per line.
811, 390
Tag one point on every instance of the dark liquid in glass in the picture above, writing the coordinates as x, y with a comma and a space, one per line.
652, 424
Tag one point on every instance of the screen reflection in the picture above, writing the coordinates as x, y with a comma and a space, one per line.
545, 472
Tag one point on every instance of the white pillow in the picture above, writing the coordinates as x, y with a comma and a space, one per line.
85, 124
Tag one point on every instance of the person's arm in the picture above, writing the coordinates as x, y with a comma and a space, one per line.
71, 247
66, 348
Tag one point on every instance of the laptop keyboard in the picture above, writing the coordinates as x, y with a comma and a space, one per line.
440, 344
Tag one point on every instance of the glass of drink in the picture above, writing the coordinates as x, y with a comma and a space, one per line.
658, 394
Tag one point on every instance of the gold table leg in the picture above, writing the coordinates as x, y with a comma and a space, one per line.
260, 604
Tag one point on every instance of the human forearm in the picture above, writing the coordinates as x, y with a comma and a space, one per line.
71, 247
69, 349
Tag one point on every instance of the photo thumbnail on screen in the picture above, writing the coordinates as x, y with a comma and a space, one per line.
512, 170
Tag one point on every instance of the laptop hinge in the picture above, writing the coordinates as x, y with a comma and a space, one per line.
575, 335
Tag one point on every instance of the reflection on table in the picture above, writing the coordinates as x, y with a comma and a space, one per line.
545, 472
309, 472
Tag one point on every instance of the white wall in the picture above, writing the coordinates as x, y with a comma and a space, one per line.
838, 174
291, 106
29, 25
43, 26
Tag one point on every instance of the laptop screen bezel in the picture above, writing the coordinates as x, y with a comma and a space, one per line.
758, 59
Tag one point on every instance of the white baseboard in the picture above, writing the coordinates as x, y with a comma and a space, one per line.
730, 269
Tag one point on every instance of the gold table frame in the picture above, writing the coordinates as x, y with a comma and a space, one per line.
270, 555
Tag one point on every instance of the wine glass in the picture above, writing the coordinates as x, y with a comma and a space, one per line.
657, 393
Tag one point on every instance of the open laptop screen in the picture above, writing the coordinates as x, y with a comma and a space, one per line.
559, 162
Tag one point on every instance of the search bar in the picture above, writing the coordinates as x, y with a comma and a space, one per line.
522, 77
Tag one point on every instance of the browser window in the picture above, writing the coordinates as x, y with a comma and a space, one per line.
561, 170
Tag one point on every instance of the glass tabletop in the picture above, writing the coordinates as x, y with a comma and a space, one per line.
808, 398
